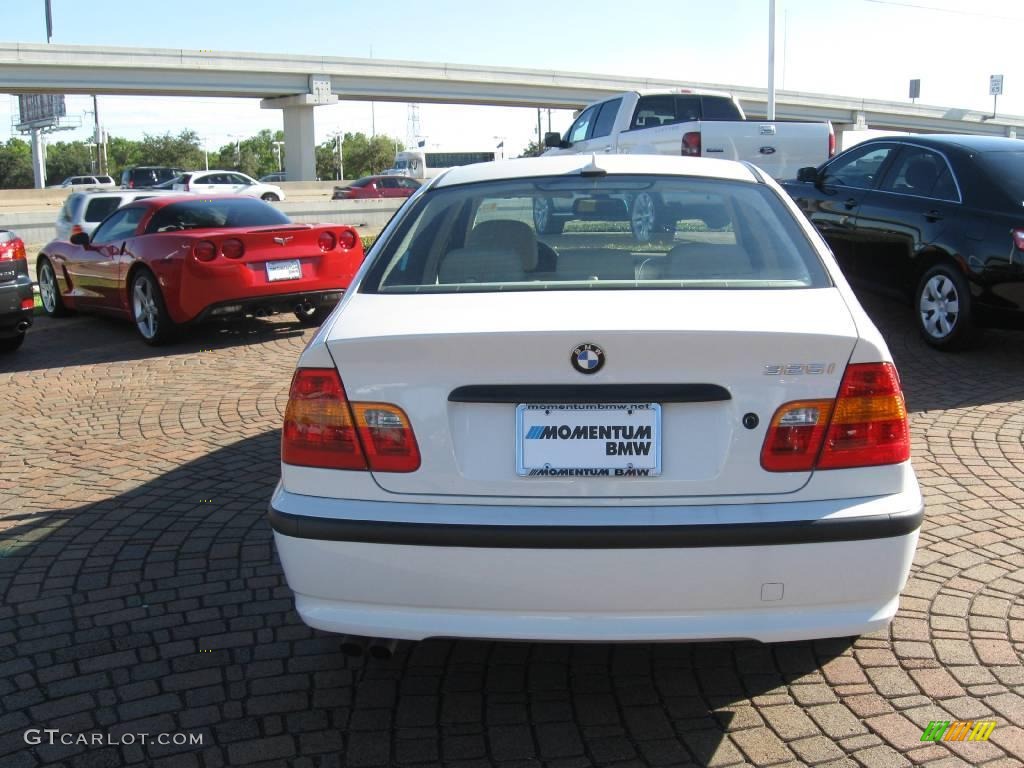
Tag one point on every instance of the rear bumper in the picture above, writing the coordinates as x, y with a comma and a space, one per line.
14, 319
795, 570
268, 305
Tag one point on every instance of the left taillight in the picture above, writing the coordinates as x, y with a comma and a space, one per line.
204, 250
323, 429
865, 425
327, 241
1018, 239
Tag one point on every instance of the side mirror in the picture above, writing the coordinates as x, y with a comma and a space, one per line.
808, 174
80, 238
552, 139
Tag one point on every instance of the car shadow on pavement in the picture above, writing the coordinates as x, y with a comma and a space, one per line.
89, 340
159, 606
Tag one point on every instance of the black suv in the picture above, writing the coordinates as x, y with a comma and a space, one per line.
16, 299
936, 219
143, 176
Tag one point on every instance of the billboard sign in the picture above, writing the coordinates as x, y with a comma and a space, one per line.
40, 110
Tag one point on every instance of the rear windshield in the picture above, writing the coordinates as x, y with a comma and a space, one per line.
101, 207
207, 214
1007, 170
611, 232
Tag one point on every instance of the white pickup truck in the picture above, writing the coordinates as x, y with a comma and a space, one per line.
694, 123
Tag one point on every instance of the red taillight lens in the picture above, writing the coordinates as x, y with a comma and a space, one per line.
348, 239
1018, 239
204, 250
691, 144
831, 140
131, 183
13, 250
794, 436
869, 424
866, 425
387, 437
327, 241
27, 303
318, 427
321, 431
76, 229
233, 248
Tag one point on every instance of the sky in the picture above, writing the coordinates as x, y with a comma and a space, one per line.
858, 48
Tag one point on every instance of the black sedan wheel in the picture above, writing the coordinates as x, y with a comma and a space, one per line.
944, 308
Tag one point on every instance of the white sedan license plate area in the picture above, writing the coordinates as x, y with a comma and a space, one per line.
588, 440
284, 270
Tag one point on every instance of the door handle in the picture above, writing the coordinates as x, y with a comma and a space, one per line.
933, 216
850, 202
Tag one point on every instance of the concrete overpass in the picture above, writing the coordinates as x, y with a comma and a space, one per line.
298, 84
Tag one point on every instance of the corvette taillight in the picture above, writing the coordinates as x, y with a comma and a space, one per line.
348, 239
233, 248
866, 425
322, 429
204, 250
326, 241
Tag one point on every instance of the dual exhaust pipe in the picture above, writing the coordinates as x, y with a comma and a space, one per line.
381, 648
22, 325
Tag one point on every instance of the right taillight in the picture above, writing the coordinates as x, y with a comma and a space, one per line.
233, 248
322, 429
326, 241
866, 425
690, 146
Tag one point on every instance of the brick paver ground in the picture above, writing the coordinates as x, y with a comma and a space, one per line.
141, 593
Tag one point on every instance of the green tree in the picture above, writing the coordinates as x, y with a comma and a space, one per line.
181, 151
122, 153
16, 164
364, 156
70, 158
533, 149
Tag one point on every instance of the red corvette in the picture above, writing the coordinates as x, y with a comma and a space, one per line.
165, 262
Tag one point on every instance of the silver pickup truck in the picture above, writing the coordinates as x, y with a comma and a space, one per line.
694, 123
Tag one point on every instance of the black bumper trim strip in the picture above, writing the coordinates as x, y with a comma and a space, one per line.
592, 393
597, 537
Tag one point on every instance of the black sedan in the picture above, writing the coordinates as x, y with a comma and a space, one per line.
938, 219
16, 302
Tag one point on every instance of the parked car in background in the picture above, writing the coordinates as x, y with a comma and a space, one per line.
143, 176
227, 183
273, 178
505, 434
694, 124
936, 219
376, 186
74, 182
16, 297
83, 211
167, 261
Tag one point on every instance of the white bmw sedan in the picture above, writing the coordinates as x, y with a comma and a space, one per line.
517, 431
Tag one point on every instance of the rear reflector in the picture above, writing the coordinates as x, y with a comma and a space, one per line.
866, 425
322, 429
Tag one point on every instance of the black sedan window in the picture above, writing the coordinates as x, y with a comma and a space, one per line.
859, 167
920, 172
207, 214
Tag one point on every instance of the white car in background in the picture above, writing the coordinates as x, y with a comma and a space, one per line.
83, 211
579, 437
80, 182
226, 183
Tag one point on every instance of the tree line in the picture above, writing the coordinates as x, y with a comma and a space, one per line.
256, 156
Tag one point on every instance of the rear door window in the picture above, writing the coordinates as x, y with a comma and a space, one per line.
100, 207
718, 108
654, 111
606, 118
917, 171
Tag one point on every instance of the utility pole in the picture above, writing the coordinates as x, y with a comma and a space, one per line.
771, 59
540, 138
99, 138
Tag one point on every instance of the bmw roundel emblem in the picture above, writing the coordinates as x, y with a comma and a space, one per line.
587, 358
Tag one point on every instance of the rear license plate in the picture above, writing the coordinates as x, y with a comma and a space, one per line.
284, 270
589, 440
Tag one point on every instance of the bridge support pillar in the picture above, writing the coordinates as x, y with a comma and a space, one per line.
299, 127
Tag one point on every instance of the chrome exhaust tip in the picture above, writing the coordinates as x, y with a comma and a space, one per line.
352, 646
23, 325
383, 648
